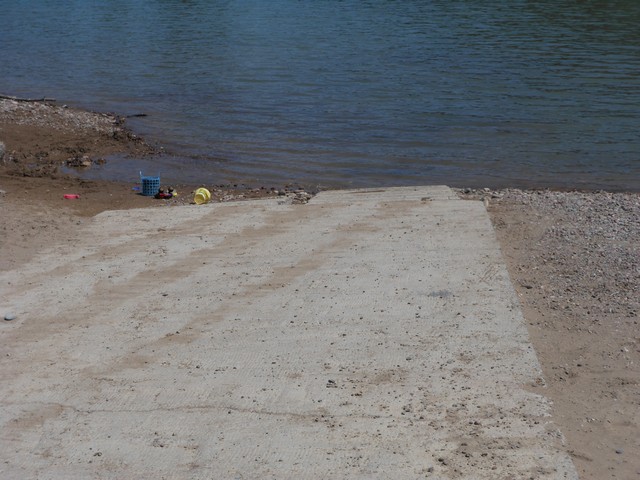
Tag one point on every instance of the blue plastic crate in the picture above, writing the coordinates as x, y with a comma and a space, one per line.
150, 185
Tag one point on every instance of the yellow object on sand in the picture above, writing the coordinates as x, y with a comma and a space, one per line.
201, 196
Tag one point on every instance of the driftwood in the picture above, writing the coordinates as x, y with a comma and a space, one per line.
137, 115
18, 99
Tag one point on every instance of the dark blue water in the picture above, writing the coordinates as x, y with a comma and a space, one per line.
339, 93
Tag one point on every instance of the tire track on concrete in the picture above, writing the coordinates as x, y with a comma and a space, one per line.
403, 378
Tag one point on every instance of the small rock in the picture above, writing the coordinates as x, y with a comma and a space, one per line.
79, 162
619, 451
9, 316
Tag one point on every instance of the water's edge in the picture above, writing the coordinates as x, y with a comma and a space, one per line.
350, 93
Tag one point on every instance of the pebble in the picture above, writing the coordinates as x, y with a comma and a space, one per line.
593, 240
9, 316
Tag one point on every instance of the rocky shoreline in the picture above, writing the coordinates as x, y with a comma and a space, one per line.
39, 137
42, 140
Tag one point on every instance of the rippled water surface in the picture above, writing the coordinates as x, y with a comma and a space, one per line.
341, 93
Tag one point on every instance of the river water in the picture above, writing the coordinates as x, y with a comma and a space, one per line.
351, 92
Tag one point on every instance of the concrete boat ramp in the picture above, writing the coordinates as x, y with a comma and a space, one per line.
366, 334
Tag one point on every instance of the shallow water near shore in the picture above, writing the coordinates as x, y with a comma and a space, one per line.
348, 93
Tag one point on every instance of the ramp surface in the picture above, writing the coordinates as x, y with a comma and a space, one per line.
367, 334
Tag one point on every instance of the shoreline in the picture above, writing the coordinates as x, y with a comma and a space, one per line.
43, 138
573, 258
40, 139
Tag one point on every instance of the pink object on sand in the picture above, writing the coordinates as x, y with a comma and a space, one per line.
71, 196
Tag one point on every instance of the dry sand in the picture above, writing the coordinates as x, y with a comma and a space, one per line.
573, 258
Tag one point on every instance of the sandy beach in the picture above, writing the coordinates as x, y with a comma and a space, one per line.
573, 258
